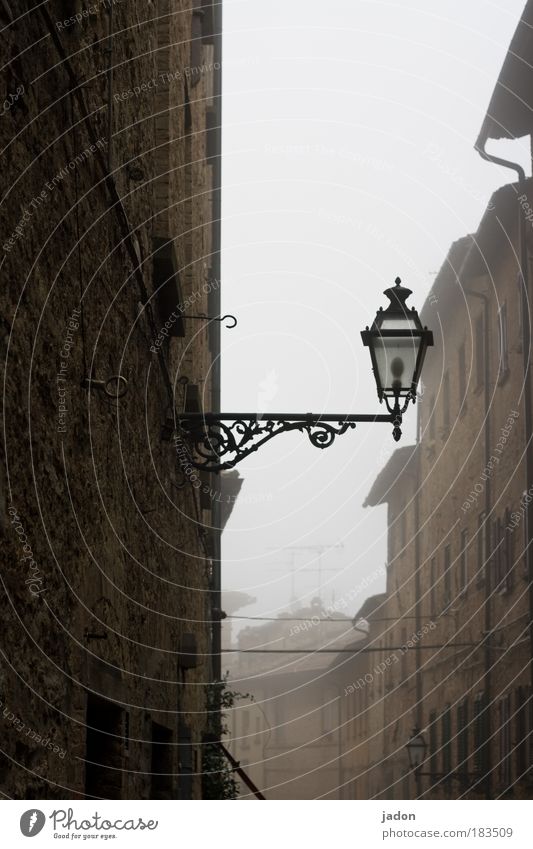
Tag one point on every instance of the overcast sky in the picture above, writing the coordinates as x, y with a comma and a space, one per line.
347, 160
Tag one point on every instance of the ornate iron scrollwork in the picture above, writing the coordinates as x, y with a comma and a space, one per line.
212, 443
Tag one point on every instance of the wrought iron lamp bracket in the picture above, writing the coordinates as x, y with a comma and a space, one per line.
214, 442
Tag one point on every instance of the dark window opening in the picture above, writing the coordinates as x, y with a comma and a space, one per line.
446, 402
481, 734
446, 724
161, 766
482, 548
463, 563
433, 586
524, 732
480, 352
462, 379
167, 289
503, 341
433, 744
104, 749
504, 766
185, 766
462, 735
447, 576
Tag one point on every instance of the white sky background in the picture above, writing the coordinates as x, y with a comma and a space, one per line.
347, 160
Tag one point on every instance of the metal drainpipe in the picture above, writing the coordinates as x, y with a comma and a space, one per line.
486, 531
526, 345
110, 83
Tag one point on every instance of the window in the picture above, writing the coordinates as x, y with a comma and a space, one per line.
161, 763
433, 743
431, 424
433, 586
245, 733
447, 575
503, 340
524, 731
480, 734
504, 766
508, 555
104, 748
520, 318
480, 351
463, 564
481, 548
462, 379
195, 70
329, 713
446, 725
503, 554
403, 529
497, 552
185, 761
446, 418
462, 735
403, 659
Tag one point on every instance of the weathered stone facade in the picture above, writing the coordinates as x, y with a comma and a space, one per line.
109, 562
457, 584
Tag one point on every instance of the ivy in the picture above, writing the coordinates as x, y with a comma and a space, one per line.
218, 779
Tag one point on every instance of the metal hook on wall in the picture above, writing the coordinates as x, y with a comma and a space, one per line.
115, 387
221, 318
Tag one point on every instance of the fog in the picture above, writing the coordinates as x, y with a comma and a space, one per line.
348, 136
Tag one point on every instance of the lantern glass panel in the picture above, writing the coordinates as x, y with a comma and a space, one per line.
396, 359
399, 323
416, 748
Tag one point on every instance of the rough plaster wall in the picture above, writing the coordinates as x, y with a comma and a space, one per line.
118, 548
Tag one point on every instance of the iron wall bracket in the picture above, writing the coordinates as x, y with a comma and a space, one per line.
216, 441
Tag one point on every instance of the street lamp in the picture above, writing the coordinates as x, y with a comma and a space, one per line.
397, 343
416, 749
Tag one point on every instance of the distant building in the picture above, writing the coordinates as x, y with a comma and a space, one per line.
289, 738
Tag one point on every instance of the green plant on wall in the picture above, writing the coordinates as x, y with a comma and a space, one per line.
218, 780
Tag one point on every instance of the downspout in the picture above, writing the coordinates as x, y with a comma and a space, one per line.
526, 345
110, 82
419, 690
486, 531
216, 594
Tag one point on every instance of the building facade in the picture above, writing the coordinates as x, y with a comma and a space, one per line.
460, 579
111, 550
458, 537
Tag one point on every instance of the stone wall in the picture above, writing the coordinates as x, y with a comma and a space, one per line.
118, 562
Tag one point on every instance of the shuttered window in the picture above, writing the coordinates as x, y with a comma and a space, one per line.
462, 578
433, 586
482, 548
480, 734
433, 743
447, 576
524, 732
462, 735
446, 726
504, 765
